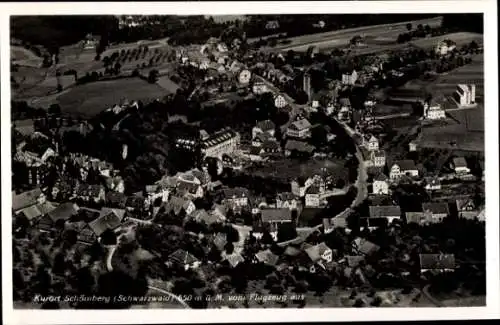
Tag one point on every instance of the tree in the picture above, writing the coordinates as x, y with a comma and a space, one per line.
118, 66
286, 232
409, 26
153, 76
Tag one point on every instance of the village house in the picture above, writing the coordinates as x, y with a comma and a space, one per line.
364, 247
418, 217
381, 184
266, 257
412, 146
35, 212
434, 112
232, 259
300, 129
178, 204
276, 217
266, 126
219, 211
349, 78
432, 183
438, 210
259, 88
467, 208
371, 143
156, 192
375, 158
460, 166
437, 263
261, 138
298, 147
319, 254
189, 190
380, 212
313, 197
60, 214
109, 219
183, 259
445, 47
202, 215
286, 200
403, 167
236, 197
222, 142
27, 199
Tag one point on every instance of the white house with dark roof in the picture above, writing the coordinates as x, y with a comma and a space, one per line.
299, 129
381, 184
403, 167
460, 166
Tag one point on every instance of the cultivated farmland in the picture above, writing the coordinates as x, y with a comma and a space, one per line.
330, 40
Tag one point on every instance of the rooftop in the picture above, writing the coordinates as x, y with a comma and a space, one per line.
383, 211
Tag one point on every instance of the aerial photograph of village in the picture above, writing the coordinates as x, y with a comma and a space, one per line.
247, 161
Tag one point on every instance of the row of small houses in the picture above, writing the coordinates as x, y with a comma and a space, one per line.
312, 258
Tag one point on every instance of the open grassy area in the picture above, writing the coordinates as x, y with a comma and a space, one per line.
453, 136
90, 99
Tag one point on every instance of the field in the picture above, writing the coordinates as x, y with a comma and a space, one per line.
330, 40
453, 136
90, 99
24, 57
36, 83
